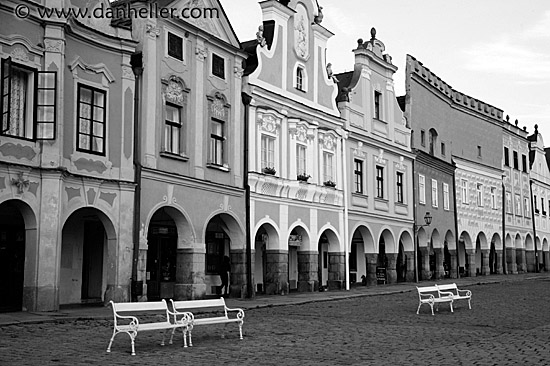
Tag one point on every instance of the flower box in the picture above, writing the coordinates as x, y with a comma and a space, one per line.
329, 183
303, 177
269, 170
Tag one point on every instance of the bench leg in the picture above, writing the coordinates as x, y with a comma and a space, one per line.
241, 330
417, 310
432, 306
190, 338
111, 341
452, 307
469, 306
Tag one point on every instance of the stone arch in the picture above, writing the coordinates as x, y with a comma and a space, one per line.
297, 234
389, 240
436, 239
266, 246
186, 232
331, 269
405, 257
363, 233
18, 263
234, 226
89, 258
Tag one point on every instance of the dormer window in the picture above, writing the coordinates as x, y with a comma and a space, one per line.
300, 78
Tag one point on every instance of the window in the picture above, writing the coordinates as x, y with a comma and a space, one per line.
218, 66
435, 200
175, 46
172, 129
216, 142
422, 189
268, 152
524, 163
399, 182
377, 97
300, 78
422, 137
541, 205
300, 159
328, 167
478, 151
506, 157
526, 211
516, 161
493, 198
518, 205
91, 120
479, 196
508, 202
22, 115
433, 141
379, 182
358, 175
464, 188
535, 202
443, 148
446, 196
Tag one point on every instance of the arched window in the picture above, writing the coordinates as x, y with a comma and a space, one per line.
300, 78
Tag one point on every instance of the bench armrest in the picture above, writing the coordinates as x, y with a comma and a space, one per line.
445, 294
426, 296
182, 317
466, 292
240, 314
134, 322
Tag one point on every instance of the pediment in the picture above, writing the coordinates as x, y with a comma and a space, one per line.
213, 19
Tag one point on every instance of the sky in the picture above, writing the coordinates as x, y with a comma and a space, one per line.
497, 51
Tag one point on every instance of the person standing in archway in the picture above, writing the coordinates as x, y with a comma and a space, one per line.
224, 275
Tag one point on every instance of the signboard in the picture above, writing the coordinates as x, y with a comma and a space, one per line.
381, 275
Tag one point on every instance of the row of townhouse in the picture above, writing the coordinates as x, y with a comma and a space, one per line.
137, 153
479, 175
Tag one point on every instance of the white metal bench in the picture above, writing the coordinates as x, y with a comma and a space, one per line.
457, 294
193, 307
130, 324
431, 295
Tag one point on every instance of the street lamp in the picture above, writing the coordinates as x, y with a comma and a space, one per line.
428, 221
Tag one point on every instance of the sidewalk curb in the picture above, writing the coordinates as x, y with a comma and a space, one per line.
71, 315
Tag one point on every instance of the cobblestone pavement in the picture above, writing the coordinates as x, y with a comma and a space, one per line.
509, 324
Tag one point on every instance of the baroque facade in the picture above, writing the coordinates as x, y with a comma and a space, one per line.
66, 173
378, 169
295, 161
189, 147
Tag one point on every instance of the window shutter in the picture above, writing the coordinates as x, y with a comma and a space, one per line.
6, 89
46, 104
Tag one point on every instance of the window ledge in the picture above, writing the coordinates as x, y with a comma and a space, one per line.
223, 168
166, 154
381, 199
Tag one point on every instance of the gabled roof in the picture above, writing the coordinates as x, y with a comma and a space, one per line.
220, 27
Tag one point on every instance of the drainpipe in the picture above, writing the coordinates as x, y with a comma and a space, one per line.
415, 236
504, 263
137, 67
534, 227
246, 99
457, 235
346, 206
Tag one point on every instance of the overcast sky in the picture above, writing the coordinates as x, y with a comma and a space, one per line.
497, 51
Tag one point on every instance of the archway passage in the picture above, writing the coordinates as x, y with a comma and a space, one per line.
162, 239
84, 257
12, 257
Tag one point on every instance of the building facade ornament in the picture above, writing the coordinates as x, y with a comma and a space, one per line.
152, 30
200, 53
53, 45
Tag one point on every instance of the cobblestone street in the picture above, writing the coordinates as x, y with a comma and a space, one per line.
509, 324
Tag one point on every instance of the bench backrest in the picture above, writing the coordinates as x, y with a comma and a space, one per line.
447, 287
199, 304
139, 306
426, 289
